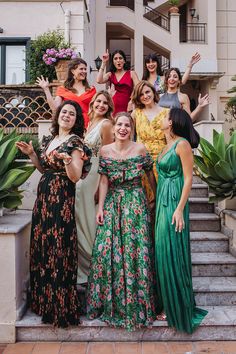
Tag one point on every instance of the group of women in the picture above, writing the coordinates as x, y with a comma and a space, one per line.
99, 220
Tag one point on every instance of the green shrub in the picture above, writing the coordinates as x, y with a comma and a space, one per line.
27, 138
217, 166
12, 173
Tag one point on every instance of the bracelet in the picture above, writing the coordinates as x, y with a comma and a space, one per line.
189, 66
67, 163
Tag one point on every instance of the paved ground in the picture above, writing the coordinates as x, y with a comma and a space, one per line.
121, 348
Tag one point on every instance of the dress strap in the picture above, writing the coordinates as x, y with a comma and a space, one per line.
176, 143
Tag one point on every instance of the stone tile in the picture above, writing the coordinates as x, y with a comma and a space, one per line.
228, 347
19, 348
100, 348
72, 348
2, 347
207, 347
46, 348
128, 348
154, 348
179, 348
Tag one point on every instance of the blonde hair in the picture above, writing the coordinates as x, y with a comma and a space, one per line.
110, 110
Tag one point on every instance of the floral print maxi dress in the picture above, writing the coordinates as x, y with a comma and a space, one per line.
53, 249
120, 288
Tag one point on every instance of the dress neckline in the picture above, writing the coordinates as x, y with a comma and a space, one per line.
172, 146
122, 159
155, 117
118, 81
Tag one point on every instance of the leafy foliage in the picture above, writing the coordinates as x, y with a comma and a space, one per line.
174, 2
217, 166
27, 138
12, 173
34, 55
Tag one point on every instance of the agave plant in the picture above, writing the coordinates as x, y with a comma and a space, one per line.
12, 173
217, 166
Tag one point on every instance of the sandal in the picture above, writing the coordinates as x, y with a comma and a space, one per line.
161, 317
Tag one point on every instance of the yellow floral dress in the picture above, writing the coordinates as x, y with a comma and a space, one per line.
150, 134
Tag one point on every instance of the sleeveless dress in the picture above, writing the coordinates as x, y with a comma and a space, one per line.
121, 280
172, 249
151, 135
83, 100
170, 100
53, 249
85, 210
124, 88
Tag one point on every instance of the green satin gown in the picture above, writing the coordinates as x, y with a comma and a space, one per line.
172, 249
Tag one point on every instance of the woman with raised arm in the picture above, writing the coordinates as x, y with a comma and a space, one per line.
75, 88
153, 72
54, 249
99, 133
173, 98
121, 281
121, 80
172, 237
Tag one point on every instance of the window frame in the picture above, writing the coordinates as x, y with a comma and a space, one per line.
7, 41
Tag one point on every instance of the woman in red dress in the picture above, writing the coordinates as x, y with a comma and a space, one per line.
121, 79
75, 88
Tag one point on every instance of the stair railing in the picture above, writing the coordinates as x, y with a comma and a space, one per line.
157, 17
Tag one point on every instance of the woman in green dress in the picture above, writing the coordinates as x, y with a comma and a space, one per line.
121, 281
172, 238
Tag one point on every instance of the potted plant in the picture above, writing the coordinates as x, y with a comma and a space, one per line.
174, 6
12, 173
217, 166
59, 59
36, 66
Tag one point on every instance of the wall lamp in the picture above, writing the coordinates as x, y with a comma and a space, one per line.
98, 63
193, 14
1, 30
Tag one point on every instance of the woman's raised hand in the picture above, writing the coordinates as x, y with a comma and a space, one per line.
195, 59
105, 57
26, 148
43, 83
203, 100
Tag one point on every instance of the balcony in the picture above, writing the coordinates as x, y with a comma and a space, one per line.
193, 32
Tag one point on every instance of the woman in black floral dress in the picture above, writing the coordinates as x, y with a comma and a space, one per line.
53, 252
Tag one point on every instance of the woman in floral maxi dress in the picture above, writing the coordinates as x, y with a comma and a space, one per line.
53, 249
121, 288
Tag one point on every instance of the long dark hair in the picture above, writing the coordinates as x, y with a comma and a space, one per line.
148, 58
112, 66
182, 125
78, 128
73, 64
167, 74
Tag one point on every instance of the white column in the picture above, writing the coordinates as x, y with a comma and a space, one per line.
67, 26
138, 39
174, 30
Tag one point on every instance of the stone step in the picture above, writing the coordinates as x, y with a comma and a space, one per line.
197, 180
218, 264
204, 222
199, 190
215, 291
219, 324
204, 241
200, 205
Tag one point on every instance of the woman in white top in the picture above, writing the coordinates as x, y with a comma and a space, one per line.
99, 133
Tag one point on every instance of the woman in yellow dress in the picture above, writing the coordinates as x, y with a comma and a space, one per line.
148, 116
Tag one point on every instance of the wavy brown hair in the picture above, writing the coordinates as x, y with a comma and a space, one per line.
73, 64
167, 75
78, 128
108, 114
138, 91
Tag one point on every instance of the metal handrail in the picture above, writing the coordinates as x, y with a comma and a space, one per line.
157, 18
193, 32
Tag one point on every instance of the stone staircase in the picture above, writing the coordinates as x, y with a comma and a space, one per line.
214, 282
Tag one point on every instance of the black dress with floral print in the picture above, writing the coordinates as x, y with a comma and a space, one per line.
53, 249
